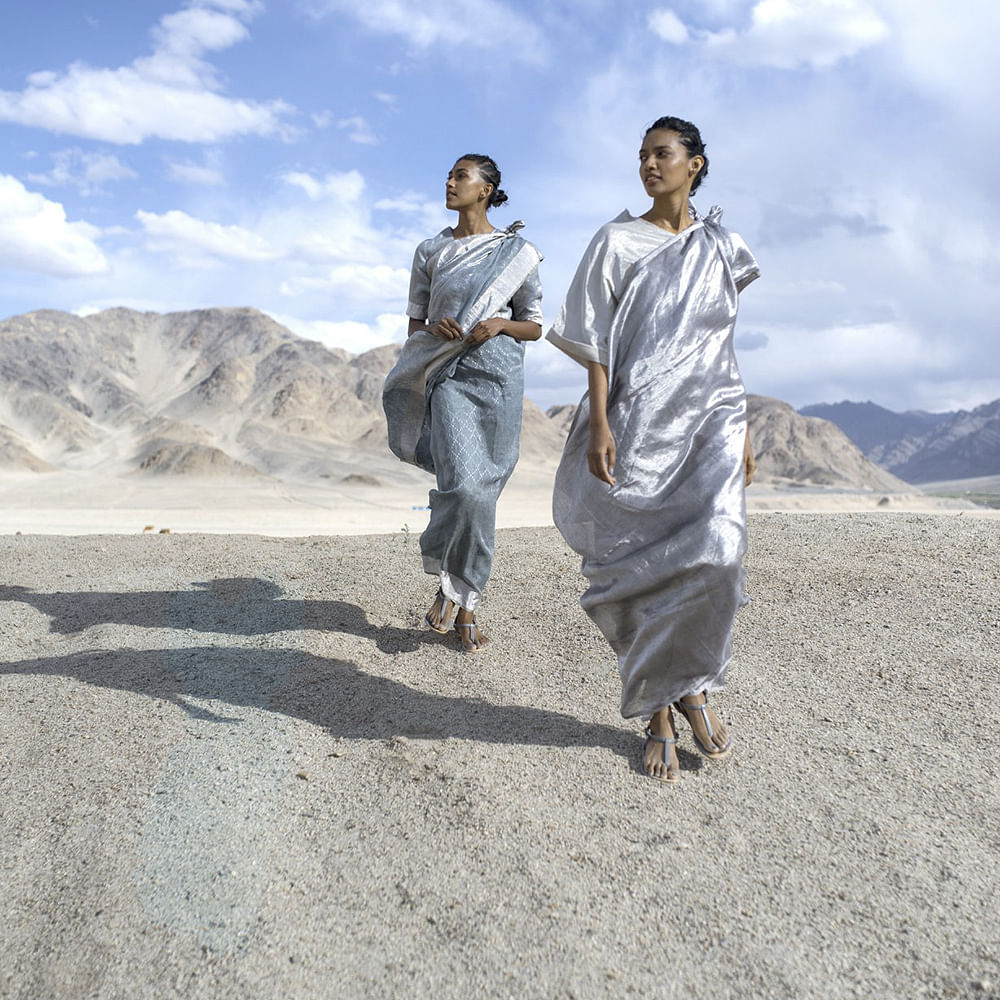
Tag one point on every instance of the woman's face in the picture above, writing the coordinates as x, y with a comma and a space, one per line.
465, 186
664, 164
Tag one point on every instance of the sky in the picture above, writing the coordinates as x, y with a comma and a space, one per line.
290, 154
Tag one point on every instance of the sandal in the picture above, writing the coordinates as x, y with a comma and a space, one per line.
446, 608
476, 639
712, 752
673, 774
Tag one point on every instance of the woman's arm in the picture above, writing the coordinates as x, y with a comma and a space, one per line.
601, 453
518, 329
749, 464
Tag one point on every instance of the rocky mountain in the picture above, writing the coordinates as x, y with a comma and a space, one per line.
871, 426
918, 446
206, 393
793, 448
197, 393
230, 392
965, 446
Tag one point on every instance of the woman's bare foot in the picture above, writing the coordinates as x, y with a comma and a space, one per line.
471, 638
439, 616
659, 754
709, 731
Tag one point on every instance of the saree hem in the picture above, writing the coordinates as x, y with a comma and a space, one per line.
453, 587
649, 706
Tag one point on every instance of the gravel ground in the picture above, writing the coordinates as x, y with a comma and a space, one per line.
236, 767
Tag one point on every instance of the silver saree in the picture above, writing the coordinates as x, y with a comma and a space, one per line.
454, 409
663, 548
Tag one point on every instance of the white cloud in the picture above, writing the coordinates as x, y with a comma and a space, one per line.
178, 231
948, 52
87, 172
841, 362
408, 201
171, 94
346, 187
355, 337
452, 25
791, 33
36, 236
314, 239
358, 130
665, 23
195, 173
376, 283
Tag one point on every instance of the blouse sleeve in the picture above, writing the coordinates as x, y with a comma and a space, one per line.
526, 305
584, 323
420, 284
742, 263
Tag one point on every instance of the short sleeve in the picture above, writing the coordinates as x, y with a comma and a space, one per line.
420, 284
742, 263
584, 323
526, 305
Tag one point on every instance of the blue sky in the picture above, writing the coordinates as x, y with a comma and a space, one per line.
289, 156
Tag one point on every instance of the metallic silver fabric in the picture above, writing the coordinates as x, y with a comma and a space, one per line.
455, 409
663, 548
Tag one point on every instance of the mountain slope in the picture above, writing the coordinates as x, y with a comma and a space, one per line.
921, 447
871, 426
795, 448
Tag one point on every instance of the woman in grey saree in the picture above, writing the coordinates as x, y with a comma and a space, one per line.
453, 400
650, 489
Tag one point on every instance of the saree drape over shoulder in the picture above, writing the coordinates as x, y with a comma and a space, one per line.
454, 409
663, 548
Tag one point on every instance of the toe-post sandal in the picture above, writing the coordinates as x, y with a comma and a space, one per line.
474, 644
673, 775
443, 623
712, 752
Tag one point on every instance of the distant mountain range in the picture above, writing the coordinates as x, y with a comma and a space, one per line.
917, 446
231, 393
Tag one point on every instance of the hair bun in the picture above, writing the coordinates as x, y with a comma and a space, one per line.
498, 197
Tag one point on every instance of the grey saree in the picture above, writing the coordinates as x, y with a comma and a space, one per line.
663, 548
454, 409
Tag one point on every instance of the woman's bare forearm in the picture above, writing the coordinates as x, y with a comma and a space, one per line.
602, 451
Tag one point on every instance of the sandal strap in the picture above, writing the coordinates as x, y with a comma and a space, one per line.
665, 740
684, 707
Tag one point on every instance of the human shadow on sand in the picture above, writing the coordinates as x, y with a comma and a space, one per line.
331, 693
232, 606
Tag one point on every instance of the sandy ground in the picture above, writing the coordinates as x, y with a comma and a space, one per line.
236, 767
80, 504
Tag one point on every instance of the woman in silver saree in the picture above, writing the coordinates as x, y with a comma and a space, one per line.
650, 489
453, 400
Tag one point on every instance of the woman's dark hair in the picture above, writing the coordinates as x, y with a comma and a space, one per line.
691, 138
490, 173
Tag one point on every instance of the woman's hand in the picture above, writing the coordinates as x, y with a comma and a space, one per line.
447, 329
486, 329
749, 463
601, 453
